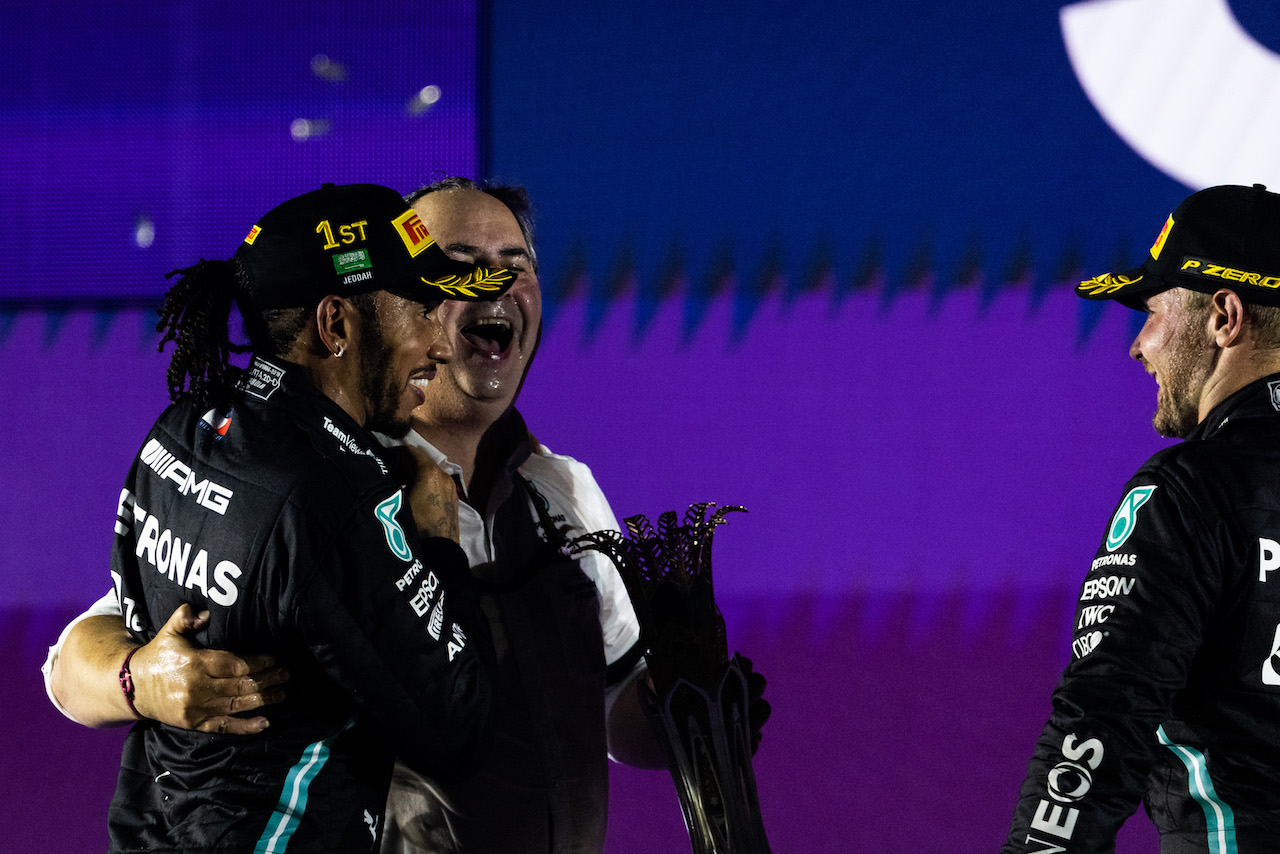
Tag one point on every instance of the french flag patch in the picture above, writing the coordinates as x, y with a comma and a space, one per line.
216, 423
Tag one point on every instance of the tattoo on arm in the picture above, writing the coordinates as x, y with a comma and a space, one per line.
439, 516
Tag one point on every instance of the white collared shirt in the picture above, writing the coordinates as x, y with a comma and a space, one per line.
571, 489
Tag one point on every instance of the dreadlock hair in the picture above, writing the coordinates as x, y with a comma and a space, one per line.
271, 332
194, 315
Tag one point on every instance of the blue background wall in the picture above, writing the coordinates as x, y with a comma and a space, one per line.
815, 259
139, 137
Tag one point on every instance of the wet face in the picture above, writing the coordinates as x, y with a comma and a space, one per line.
401, 347
492, 342
1174, 346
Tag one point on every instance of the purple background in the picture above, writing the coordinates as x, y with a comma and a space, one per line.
816, 263
919, 519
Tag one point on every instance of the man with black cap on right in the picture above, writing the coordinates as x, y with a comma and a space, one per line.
1172, 694
262, 503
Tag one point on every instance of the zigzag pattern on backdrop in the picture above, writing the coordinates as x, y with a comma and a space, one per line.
872, 273
724, 277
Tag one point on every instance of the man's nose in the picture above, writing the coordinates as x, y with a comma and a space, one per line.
440, 349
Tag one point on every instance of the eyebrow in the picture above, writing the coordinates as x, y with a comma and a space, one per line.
515, 252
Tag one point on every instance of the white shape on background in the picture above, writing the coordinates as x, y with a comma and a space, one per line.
326, 69
303, 129
424, 100
144, 231
1183, 84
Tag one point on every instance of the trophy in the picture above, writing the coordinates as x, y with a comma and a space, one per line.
699, 701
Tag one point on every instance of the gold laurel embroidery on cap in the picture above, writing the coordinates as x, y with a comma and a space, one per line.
482, 280
1105, 284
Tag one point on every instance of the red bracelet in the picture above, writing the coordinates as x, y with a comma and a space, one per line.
126, 682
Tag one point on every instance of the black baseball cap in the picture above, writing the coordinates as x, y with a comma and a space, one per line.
1222, 237
351, 239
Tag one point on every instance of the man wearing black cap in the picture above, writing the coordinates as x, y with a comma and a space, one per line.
261, 498
565, 656
1172, 695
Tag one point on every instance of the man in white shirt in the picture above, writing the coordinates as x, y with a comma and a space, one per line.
565, 632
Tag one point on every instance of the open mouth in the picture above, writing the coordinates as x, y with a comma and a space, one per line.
422, 378
490, 335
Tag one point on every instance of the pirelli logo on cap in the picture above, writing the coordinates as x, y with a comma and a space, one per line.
252, 235
412, 232
1206, 269
1164, 235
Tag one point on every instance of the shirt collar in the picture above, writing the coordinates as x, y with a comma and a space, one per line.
414, 439
508, 439
1259, 399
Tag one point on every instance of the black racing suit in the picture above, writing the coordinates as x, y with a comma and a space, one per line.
276, 514
1172, 695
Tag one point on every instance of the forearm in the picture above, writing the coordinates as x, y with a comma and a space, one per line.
632, 740
86, 674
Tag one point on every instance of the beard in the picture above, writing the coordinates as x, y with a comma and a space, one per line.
379, 387
1178, 398
1174, 418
